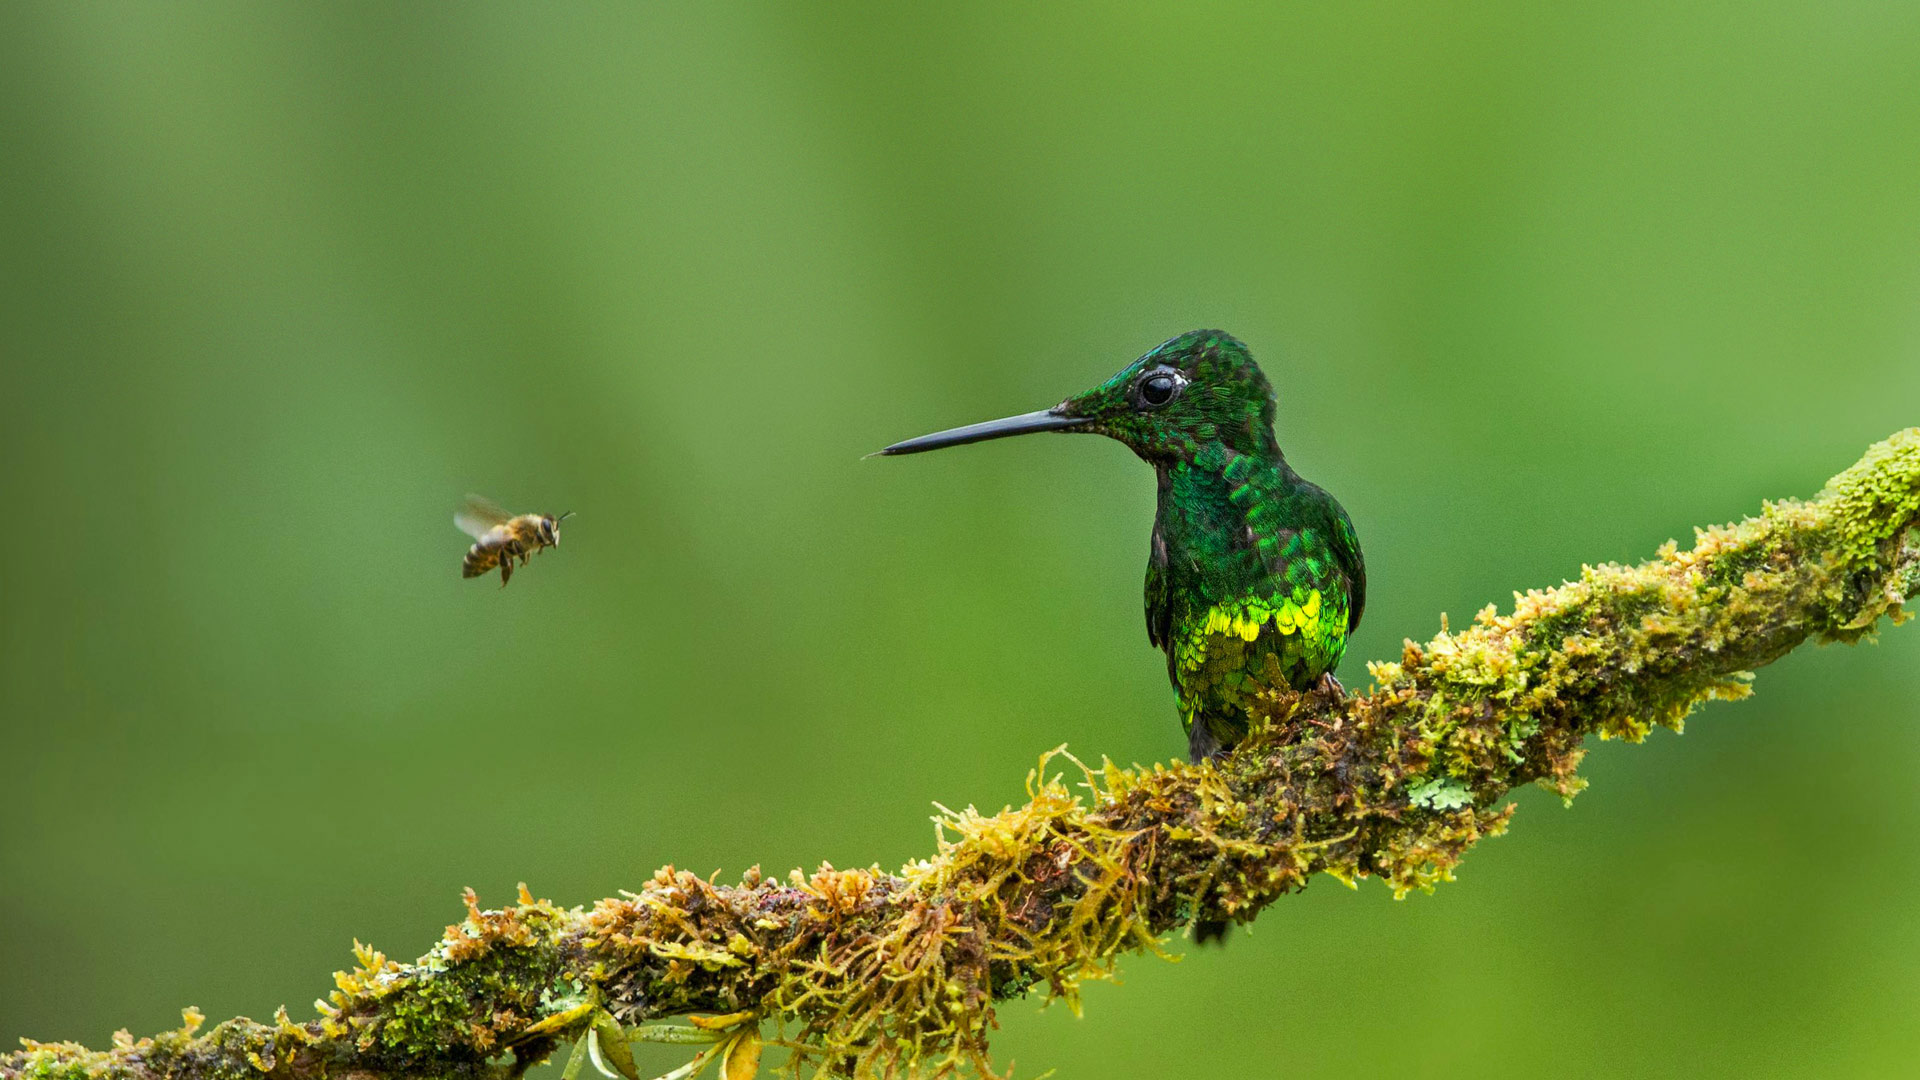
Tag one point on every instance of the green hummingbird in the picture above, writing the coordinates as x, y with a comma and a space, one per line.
1254, 575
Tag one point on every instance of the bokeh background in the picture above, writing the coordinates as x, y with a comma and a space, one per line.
1539, 284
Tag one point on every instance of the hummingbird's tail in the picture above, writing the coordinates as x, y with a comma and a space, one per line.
1202, 743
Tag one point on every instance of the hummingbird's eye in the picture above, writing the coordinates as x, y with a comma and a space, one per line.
1159, 389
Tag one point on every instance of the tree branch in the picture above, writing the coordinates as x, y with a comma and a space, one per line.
867, 972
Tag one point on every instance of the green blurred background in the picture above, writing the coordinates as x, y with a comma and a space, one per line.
1539, 284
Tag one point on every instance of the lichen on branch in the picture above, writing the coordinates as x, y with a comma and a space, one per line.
862, 972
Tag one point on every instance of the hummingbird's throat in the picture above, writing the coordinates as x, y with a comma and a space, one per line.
1216, 511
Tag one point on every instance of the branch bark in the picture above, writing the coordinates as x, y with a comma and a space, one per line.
872, 973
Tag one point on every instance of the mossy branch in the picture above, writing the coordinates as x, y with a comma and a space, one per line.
871, 973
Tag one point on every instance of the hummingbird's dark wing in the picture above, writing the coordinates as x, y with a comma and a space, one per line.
1159, 601
1346, 553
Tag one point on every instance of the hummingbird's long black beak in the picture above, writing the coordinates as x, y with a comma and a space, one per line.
1025, 423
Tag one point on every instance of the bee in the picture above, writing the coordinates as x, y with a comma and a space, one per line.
500, 537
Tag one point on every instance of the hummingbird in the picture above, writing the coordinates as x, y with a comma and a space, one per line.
1254, 575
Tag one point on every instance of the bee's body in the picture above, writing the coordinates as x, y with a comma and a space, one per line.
500, 540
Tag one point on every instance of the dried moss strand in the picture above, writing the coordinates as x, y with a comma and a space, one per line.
870, 973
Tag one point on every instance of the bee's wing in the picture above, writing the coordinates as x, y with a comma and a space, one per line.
477, 517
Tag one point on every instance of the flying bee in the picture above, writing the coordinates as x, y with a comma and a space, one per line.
500, 537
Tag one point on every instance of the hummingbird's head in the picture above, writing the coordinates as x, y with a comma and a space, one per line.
1198, 388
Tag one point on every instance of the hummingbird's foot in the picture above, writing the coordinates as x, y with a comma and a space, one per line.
1331, 687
